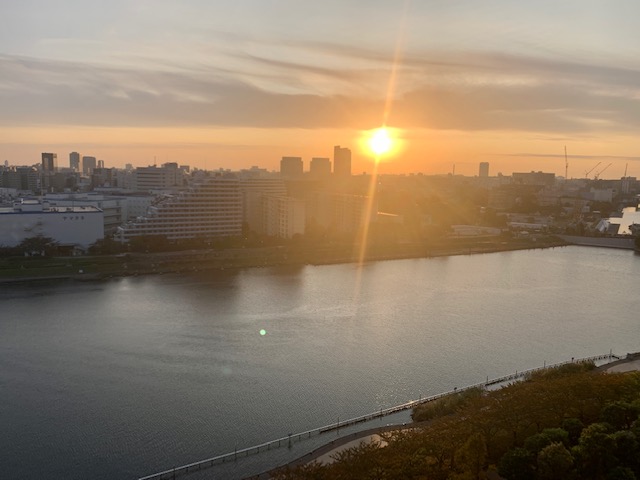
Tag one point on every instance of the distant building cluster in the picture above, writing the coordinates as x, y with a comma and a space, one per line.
319, 167
87, 201
168, 200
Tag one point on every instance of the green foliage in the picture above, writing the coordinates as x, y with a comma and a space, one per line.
471, 457
445, 405
555, 463
566, 369
536, 443
621, 473
106, 246
594, 452
467, 435
573, 426
626, 448
38, 245
620, 414
517, 464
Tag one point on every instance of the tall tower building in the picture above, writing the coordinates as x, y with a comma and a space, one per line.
74, 161
88, 164
291, 167
49, 167
49, 162
341, 161
484, 170
320, 167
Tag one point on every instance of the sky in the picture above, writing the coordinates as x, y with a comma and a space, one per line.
232, 84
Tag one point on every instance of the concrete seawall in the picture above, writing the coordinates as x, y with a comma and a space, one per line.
623, 243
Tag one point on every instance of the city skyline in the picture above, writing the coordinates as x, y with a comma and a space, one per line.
239, 85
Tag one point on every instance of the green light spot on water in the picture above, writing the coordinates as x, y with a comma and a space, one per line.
263, 332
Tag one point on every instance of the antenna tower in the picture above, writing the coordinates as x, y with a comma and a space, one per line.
566, 165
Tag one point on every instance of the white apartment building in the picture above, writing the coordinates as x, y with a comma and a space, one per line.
282, 217
212, 208
253, 187
167, 177
341, 213
71, 225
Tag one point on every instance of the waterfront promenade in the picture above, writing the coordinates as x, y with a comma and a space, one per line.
340, 443
326, 453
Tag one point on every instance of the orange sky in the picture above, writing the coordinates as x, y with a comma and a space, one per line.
238, 84
426, 151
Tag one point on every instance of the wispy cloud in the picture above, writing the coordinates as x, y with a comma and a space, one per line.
436, 90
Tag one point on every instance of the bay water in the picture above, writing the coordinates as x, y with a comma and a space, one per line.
122, 378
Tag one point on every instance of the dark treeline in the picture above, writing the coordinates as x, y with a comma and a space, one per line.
568, 423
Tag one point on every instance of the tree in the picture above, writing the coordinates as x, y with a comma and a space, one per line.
471, 457
38, 245
517, 464
594, 452
573, 427
626, 448
106, 246
621, 473
535, 443
620, 414
555, 463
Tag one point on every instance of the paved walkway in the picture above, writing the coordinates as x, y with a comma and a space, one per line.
323, 454
327, 458
625, 366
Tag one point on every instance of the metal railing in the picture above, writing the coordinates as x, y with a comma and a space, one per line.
291, 438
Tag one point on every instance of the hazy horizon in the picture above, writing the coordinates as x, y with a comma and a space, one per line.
243, 84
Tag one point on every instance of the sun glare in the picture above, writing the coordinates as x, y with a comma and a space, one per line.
380, 141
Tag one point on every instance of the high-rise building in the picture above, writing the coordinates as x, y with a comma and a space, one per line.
341, 161
88, 164
167, 177
20, 178
74, 161
211, 208
253, 188
291, 167
341, 213
49, 168
49, 162
320, 167
282, 217
484, 170
100, 164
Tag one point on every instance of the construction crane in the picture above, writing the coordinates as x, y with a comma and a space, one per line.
586, 174
597, 175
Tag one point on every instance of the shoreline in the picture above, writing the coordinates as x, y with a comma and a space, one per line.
630, 362
100, 268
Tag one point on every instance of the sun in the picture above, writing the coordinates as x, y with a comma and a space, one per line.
380, 141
